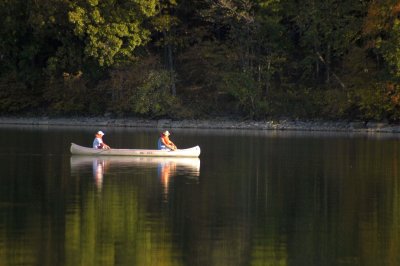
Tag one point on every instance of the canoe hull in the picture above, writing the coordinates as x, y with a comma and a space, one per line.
190, 152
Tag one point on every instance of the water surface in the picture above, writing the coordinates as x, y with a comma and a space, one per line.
252, 198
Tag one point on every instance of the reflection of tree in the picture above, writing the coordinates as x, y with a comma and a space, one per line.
116, 228
123, 225
294, 206
342, 199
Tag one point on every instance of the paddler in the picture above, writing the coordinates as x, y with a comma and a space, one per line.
98, 142
164, 143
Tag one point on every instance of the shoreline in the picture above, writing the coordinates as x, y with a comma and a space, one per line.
218, 123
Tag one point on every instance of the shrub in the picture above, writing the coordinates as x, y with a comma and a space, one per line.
153, 96
245, 90
72, 96
381, 101
16, 96
141, 89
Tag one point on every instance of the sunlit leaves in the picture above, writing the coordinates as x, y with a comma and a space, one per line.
270, 45
390, 48
79, 19
111, 30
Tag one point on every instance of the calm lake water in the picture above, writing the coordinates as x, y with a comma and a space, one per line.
252, 198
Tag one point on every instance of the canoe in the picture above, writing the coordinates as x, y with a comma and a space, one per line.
190, 152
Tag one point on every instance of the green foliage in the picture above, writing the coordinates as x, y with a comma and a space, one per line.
370, 103
111, 30
392, 102
153, 96
141, 89
390, 49
290, 103
245, 90
71, 96
308, 103
253, 58
379, 102
381, 34
15, 96
327, 28
334, 103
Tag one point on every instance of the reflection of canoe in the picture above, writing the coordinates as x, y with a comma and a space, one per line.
187, 165
191, 152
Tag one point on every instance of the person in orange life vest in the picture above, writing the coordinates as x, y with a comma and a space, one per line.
98, 142
164, 143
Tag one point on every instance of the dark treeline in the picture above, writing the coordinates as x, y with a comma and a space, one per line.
199, 58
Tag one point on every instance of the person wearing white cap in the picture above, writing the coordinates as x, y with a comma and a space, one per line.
164, 143
98, 142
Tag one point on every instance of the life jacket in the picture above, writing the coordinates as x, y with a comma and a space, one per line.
161, 145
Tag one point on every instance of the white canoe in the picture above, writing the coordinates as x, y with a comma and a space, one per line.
190, 152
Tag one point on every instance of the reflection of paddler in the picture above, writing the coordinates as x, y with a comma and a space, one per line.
189, 166
98, 172
165, 170
167, 166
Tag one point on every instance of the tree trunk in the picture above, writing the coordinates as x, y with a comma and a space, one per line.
268, 78
317, 68
334, 75
170, 64
328, 64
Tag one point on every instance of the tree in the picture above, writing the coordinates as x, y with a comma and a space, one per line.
255, 41
111, 30
324, 31
382, 34
164, 23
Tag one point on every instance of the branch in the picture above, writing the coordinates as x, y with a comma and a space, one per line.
336, 77
228, 5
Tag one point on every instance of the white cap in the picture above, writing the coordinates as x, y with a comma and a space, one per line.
100, 133
166, 133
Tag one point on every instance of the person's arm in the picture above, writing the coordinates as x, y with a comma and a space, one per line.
172, 145
169, 144
105, 146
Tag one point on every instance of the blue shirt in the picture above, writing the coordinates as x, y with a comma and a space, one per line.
97, 143
161, 145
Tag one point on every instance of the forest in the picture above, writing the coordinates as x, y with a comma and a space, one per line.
191, 59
